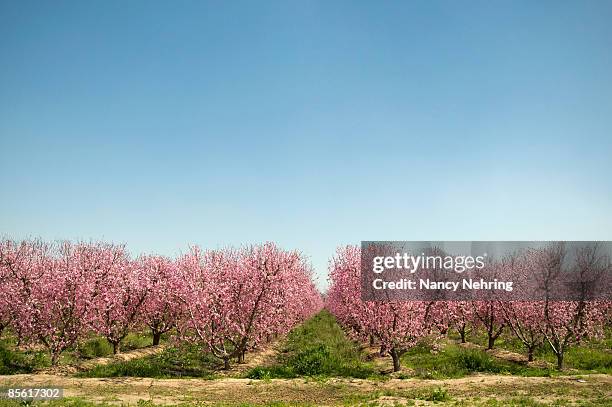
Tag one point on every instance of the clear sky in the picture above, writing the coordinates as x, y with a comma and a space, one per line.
310, 123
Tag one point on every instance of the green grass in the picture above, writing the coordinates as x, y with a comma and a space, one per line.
64, 402
14, 362
174, 362
94, 348
594, 355
320, 348
317, 348
97, 346
454, 361
590, 356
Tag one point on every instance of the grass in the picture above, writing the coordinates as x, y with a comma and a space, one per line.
13, 361
16, 362
96, 346
454, 362
65, 402
590, 356
317, 348
174, 362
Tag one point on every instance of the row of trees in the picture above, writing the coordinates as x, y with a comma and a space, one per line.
229, 300
399, 325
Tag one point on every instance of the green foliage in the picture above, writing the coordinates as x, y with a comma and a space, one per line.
182, 361
476, 361
136, 340
14, 362
270, 372
311, 361
454, 362
318, 347
95, 348
439, 394
589, 358
591, 355
64, 402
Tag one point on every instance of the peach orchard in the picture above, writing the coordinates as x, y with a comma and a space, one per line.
399, 325
228, 300
232, 301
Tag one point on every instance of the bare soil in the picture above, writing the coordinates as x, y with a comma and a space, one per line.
331, 392
91, 363
264, 356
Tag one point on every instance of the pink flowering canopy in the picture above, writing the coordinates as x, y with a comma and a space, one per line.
233, 300
228, 300
399, 325
236, 299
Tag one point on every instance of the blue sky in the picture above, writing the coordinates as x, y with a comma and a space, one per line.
312, 124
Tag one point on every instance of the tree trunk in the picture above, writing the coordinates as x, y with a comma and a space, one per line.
54, 359
156, 338
530, 350
491, 342
116, 348
560, 360
371, 340
226, 363
396, 359
462, 333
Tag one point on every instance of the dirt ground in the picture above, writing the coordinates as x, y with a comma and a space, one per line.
90, 364
265, 356
326, 393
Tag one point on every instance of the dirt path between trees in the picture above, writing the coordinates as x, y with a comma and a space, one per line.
330, 392
265, 356
124, 356
91, 363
